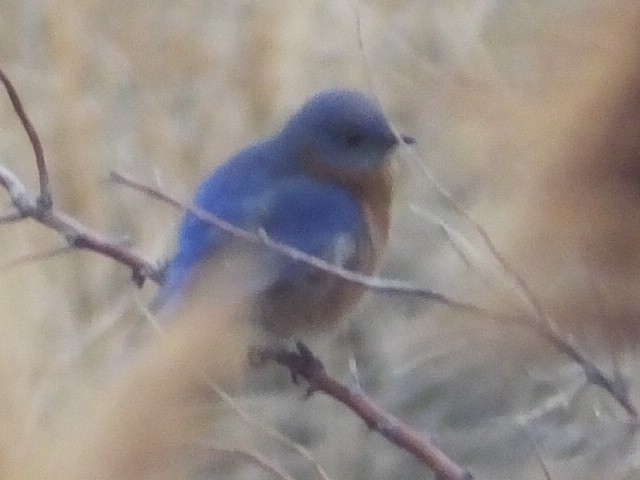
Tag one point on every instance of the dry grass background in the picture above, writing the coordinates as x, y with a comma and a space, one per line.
527, 111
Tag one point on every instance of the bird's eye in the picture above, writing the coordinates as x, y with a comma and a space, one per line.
353, 139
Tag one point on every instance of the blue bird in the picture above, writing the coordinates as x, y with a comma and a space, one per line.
322, 185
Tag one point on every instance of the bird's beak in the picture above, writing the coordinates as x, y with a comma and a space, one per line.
394, 141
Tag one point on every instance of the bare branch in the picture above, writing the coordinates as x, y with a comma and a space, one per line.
304, 364
397, 287
40, 209
616, 387
76, 234
381, 285
510, 273
79, 236
45, 200
256, 458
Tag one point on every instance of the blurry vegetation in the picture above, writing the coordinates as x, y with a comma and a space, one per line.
528, 112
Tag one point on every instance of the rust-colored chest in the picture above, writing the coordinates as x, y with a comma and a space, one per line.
373, 192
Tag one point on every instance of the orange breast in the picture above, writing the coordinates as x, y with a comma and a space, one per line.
373, 192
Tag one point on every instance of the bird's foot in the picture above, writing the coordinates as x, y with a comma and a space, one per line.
300, 362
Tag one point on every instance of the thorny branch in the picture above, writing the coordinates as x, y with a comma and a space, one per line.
79, 236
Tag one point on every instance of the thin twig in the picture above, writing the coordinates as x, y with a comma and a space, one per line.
538, 455
76, 234
266, 429
45, 200
256, 458
380, 285
303, 364
507, 269
397, 287
79, 236
271, 432
11, 217
618, 390
36, 257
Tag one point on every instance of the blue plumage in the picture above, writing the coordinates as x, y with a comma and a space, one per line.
321, 185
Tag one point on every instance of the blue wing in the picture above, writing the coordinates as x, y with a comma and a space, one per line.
318, 218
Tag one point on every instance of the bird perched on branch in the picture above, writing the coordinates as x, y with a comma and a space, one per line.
321, 185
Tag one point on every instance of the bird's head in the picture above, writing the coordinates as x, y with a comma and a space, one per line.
341, 133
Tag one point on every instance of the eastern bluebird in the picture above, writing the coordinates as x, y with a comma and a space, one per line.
321, 185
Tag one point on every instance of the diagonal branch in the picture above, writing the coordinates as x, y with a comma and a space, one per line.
264, 463
76, 234
380, 285
36, 257
79, 236
303, 364
593, 374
